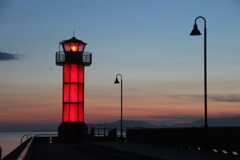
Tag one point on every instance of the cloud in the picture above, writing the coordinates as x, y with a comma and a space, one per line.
183, 97
227, 98
219, 98
183, 118
8, 56
173, 119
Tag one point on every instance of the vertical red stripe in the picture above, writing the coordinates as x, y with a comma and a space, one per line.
74, 73
73, 113
66, 68
81, 113
81, 93
65, 113
81, 74
73, 92
66, 92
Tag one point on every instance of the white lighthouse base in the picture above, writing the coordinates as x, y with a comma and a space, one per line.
72, 132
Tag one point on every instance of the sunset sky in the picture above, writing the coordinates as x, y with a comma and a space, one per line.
147, 41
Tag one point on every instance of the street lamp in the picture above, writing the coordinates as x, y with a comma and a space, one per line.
117, 82
196, 32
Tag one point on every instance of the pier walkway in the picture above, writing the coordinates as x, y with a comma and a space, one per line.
109, 150
161, 152
105, 150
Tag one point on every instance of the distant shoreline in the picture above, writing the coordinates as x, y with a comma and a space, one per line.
212, 122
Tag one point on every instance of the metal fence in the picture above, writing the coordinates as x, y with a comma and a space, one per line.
212, 138
85, 59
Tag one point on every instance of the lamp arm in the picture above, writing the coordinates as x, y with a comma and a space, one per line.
203, 19
119, 75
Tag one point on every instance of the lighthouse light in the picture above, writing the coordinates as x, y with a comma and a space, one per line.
74, 48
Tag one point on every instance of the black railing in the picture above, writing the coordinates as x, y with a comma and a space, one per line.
25, 135
213, 138
42, 138
103, 133
85, 58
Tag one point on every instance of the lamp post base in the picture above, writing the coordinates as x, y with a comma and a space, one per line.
72, 132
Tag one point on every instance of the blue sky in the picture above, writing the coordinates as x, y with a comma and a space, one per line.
147, 41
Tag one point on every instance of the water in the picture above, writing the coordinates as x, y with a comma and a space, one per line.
11, 140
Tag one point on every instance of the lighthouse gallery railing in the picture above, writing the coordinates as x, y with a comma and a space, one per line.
86, 58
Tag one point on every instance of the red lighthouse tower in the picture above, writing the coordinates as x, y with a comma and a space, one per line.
73, 59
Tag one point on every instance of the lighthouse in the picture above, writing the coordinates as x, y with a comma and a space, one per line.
72, 57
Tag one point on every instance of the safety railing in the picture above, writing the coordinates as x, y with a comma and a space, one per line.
42, 138
217, 139
103, 133
84, 58
24, 153
26, 135
0, 152
54, 138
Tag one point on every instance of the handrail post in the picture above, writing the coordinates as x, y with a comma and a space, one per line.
104, 129
0, 152
23, 137
92, 132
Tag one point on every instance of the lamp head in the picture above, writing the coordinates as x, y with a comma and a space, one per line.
116, 81
73, 45
195, 31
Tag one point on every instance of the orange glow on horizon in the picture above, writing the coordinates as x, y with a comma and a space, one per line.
103, 105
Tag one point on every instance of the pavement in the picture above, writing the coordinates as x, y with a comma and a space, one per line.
162, 152
116, 150
107, 150
61, 151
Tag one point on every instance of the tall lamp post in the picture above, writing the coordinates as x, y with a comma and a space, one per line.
117, 82
196, 32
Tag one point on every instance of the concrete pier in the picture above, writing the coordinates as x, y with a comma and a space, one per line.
108, 150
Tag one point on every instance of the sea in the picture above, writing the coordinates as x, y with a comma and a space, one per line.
11, 140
